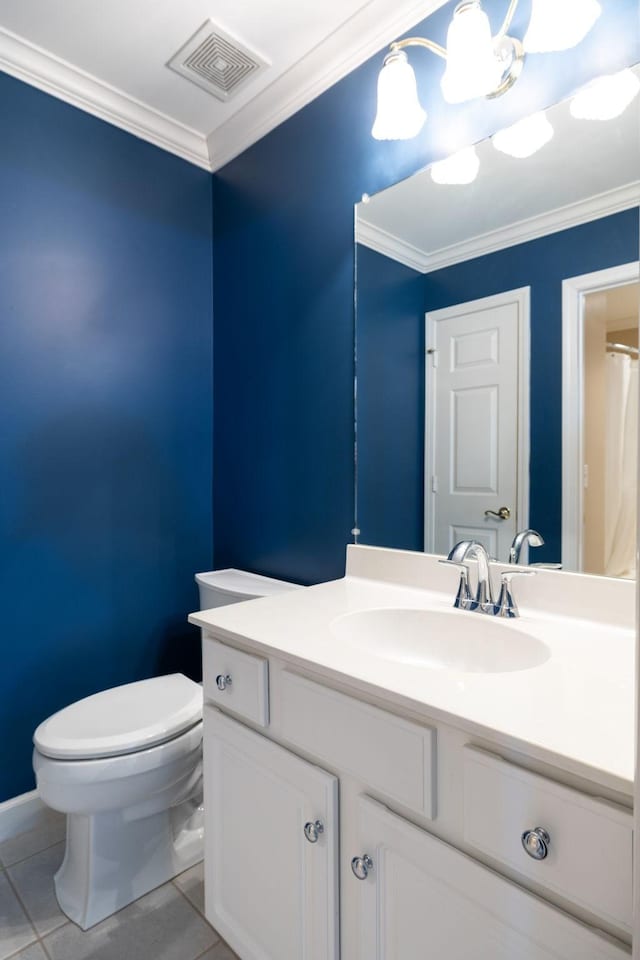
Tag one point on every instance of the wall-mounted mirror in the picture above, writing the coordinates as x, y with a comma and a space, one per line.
497, 351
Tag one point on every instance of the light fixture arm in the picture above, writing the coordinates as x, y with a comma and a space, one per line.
420, 42
508, 18
510, 48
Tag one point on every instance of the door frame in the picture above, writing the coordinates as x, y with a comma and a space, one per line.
522, 297
574, 291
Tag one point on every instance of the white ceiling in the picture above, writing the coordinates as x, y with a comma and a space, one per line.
109, 57
589, 169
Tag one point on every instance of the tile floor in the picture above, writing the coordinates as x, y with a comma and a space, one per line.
166, 924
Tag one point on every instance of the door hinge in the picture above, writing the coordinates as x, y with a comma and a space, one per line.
585, 476
434, 484
433, 353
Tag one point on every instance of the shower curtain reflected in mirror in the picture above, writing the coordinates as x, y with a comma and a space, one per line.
621, 455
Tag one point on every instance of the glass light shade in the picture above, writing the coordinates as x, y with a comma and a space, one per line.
605, 98
559, 24
460, 168
525, 137
399, 115
473, 70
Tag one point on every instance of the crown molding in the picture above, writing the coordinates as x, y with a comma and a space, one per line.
49, 73
388, 244
361, 37
571, 215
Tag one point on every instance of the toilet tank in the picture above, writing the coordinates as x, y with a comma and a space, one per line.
221, 587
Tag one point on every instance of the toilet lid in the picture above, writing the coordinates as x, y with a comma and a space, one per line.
122, 720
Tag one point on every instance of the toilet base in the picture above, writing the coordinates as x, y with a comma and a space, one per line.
110, 860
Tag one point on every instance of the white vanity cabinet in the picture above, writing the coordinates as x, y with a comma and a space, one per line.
421, 898
420, 808
271, 866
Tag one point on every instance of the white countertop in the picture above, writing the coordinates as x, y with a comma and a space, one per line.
575, 711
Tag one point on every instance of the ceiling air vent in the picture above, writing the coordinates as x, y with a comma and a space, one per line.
217, 62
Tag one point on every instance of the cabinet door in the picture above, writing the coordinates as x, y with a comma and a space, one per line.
271, 892
422, 899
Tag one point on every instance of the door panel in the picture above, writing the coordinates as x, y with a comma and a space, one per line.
270, 893
424, 899
473, 415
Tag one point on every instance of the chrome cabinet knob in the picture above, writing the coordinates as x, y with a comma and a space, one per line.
312, 830
361, 866
536, 843
223, 680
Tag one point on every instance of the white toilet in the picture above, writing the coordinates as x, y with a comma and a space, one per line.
125, 765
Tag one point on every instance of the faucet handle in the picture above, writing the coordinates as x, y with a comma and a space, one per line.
506, 605
463, 600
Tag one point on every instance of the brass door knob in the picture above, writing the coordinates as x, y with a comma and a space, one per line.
502, 514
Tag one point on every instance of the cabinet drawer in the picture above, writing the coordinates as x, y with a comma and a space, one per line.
421, 898
247, 692
390, 755
589, 853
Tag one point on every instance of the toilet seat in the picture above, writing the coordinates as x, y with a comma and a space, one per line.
75, 776
123, 720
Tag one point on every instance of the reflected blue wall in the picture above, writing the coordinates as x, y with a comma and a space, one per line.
391, 364
390, 345
105, 411
283, 292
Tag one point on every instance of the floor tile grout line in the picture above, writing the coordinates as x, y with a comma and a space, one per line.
8, 866
197, 910
28, 946
24, 910
44, 947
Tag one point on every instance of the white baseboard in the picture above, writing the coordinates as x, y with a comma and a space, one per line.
20, 814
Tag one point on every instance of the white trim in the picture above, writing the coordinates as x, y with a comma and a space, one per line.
521, 296
574, 290
19, 814
49, 73
365, 34
571, 215
375, 238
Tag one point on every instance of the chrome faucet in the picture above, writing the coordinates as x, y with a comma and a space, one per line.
474, 550
483, 600
532, 537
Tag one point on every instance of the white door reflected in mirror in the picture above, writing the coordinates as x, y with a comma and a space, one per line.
476, 423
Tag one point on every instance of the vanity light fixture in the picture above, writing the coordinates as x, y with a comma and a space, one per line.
458, 169
400, 116
605, 98
478, 64
473, 69
559, 24
525, 137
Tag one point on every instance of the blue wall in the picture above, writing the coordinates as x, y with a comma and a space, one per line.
105, 411
391, 365
105, 367
283, 294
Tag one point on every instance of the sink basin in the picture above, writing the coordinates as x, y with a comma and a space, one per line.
435, 640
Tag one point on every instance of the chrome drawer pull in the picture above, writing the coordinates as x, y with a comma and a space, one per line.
312, 830
536, 843
223, 681
361, 866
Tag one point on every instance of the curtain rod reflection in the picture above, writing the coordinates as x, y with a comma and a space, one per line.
622, 348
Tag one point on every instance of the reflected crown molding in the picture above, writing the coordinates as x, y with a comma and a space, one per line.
391, 246
572, 215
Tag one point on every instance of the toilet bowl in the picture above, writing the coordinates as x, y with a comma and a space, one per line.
125, 766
